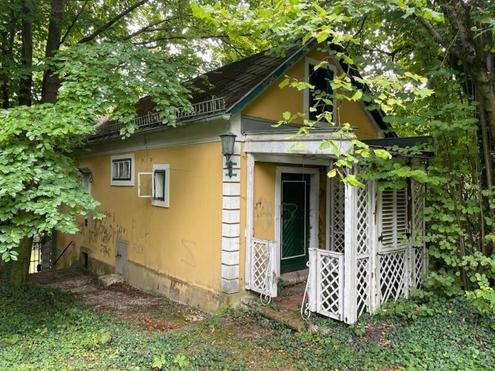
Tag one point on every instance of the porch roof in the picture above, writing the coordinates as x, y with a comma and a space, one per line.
289, 142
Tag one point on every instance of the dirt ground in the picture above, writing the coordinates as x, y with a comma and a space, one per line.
151, 311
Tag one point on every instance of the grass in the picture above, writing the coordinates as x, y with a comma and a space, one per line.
42, 328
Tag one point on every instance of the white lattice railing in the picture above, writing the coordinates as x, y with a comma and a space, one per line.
263, 276
393, 273
324, 290
400, 270
363, 244
418, 261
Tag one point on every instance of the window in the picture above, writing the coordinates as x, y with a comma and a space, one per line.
159, 179
122, 170
86, 179
321, 98
155, 185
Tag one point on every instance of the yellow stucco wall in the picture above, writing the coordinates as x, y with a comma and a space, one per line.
264, 201
182, 241
274, 101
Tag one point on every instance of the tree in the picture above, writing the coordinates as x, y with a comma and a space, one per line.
401, 47
64, 66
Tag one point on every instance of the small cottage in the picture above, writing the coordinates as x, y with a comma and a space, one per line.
227, 204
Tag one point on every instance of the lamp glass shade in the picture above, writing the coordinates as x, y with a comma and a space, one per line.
228, 141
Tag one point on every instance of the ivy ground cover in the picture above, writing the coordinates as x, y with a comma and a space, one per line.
44, 328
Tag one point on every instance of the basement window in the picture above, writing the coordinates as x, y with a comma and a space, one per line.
122, 170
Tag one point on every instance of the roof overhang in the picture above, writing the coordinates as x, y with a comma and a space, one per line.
311, 144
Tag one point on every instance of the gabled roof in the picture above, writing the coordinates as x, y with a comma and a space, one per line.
232, 87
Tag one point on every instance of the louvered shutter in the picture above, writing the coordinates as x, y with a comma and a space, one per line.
393, 223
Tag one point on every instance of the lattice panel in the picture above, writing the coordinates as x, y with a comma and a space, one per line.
393, 274
418, 209
362, 280
330, 281
337, 216
363, 220
261, 264
419, 266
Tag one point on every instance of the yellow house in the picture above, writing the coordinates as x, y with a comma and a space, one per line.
204, 224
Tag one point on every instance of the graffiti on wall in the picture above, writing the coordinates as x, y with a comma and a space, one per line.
103, 234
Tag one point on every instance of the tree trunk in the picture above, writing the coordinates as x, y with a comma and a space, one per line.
26, 81
4, 77
16, 272
51, 82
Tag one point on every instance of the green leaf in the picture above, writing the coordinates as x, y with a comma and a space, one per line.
383, 154
332, 173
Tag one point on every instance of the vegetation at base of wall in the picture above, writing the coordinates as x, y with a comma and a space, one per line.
43, 328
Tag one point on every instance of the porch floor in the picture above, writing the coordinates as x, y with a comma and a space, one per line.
287, 306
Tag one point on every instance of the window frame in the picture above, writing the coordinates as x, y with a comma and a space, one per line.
164, 169
86, 179
128, 182
314, 62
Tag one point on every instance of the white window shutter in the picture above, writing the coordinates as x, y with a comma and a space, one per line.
387, 218
145, 189
394, 220
402, 227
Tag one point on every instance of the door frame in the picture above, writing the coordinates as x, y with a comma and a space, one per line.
314, 206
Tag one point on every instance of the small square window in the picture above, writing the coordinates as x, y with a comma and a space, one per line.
122, 170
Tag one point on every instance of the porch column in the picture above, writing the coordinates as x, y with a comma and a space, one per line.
231, 218
350, 202
374, 274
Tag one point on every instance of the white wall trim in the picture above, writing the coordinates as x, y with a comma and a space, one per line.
198, 133
231, 219
249, 217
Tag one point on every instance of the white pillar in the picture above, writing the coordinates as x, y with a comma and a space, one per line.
249, 219
350, 261
373, 283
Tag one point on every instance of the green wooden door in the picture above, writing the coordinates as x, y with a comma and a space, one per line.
294, 221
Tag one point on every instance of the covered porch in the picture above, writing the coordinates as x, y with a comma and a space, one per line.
353, 246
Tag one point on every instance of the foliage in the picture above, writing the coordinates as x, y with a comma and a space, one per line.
66, 65
40, 187
46, 329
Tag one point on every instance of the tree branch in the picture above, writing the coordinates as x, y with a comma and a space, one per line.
112, 21
182, 37
76, 18
148, 28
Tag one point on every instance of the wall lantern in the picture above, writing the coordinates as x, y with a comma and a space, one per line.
228, 141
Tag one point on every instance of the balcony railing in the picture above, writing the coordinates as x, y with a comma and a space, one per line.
204, 108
